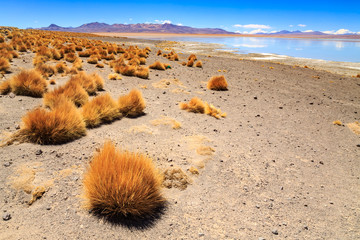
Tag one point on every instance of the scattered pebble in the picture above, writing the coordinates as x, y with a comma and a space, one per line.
201, 234
275, 231
17, 126
12, 95
6, 217
261, 238
38, 152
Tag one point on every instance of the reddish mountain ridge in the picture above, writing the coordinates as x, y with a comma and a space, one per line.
136, 28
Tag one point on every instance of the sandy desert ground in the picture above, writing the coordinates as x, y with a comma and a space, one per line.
276, 167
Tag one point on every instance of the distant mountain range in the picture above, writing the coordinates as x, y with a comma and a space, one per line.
96, 27
135, 28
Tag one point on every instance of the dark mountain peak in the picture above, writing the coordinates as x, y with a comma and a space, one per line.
53, 26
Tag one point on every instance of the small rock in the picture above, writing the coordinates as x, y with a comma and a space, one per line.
255, 98
358, 145
17, 126
7, 164
6, 217
38, 152
261, 238
12, 95
275, 231
48, 208
201, 234
306, 227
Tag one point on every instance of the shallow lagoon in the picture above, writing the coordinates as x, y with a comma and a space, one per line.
343, 50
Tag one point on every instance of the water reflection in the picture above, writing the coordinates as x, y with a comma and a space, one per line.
334, 50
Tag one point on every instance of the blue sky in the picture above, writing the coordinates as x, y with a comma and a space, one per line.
243, 16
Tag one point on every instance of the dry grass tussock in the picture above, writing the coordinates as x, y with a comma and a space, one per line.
28, 83
196, 105
133, 104
71, 90
5, 87
63, 124
217, 83
142, 72
122, 183
157, 65
86, 81
199, 64
114, 76
128, 70
98, 81
101, 109
4, 65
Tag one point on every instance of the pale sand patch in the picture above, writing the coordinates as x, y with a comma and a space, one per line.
355, 127
164, 120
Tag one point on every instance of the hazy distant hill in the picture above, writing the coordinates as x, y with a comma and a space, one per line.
136, 28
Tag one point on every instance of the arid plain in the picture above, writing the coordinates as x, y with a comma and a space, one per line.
283, 163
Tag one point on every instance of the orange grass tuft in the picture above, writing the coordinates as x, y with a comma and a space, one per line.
72, 91
122, 183
98, 81
198, 64
86, 81
157, 65
61, 67
114, 76
128, 70
28, 83
193, 57
101, 109
4, 64
142, 72
63, 124
217, 83
5, 87
133, 104
195, 105
190, 63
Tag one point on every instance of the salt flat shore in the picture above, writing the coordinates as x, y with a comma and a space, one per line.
276, 166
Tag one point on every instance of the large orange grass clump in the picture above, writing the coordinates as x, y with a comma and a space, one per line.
63, 124
28, 83
133, 104
71, 90
122, 184
101, 109
217, 83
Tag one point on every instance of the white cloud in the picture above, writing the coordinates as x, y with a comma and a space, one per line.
258, 26
309, 31
180, 24
291, 25
340, 31
301, 25
343, 31
163, 21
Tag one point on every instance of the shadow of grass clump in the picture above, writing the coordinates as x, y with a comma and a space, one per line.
132, 221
